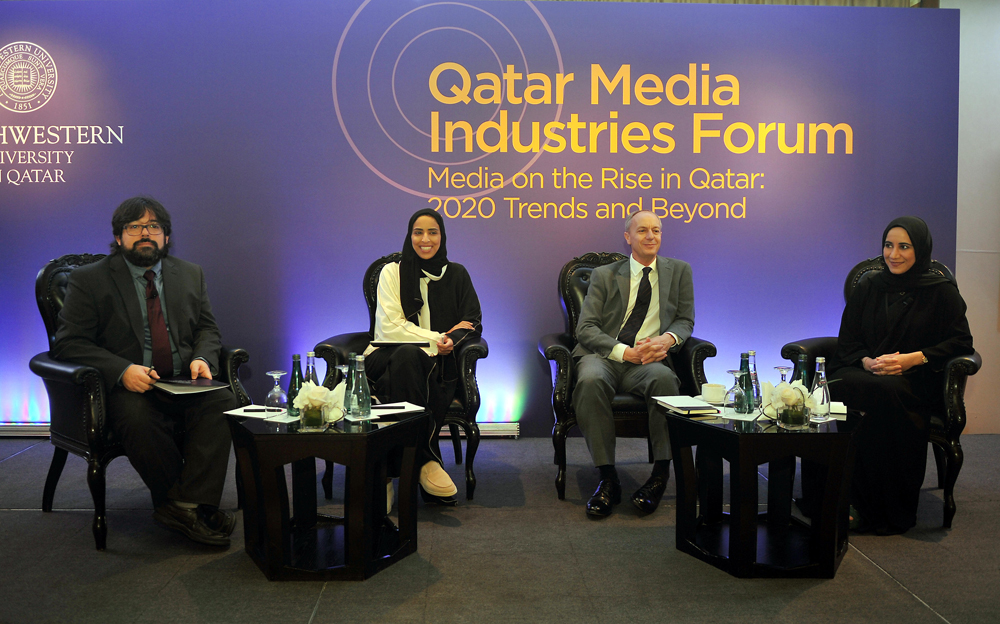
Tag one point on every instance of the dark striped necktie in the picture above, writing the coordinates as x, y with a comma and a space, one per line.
162, 360
638, 316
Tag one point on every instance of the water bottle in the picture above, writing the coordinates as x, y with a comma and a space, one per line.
294, 385
801, 372
757, 398
821, 391
348, 384
360, 400
311, 367
746, 404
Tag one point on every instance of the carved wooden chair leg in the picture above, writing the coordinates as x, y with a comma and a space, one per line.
559, 442
95, 479
954, 467
941, 461
55, 470
471, 446
456, 441
436, 444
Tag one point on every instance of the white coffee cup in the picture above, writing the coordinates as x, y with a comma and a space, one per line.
713, 393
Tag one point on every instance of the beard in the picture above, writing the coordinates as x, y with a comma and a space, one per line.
145, 257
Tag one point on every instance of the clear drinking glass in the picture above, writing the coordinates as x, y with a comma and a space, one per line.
735, 396
783, 370
276, 397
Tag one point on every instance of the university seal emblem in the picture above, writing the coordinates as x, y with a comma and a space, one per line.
27, 77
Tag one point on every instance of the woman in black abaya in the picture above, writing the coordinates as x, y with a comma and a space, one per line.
899, 329
423, 298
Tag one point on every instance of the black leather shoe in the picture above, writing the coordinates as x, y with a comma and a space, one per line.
647, 498
387, 540
444, 501
188, 523
608, 493
219, 520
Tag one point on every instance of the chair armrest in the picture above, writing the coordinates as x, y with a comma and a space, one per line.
690, 364
964, 365
229, 371
76, 402
558, 350
813, 348
956, 373
334, 351
472, 349
63, 372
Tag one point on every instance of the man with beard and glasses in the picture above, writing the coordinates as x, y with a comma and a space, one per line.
139, 315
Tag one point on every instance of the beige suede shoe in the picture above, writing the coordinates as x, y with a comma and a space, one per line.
436, 481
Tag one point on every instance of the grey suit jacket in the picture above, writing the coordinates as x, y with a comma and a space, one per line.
607, 298
100, 324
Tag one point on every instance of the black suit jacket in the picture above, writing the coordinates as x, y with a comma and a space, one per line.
100, 324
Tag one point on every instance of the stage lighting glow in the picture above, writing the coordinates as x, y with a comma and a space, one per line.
23, 401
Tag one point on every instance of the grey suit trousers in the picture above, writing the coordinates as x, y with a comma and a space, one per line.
598, 379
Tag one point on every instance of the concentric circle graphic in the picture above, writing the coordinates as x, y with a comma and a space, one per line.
28, 77
383, 101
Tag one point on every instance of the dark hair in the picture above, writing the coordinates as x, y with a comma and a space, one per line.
133, 209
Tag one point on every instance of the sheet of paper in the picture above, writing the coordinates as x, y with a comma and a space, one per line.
284, 418
256, 411
731, 414
388, 409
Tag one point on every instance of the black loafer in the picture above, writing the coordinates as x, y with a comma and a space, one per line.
219, 520
647, 498
608, 494
188, 523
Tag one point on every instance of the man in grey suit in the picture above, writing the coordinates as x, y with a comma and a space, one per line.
138, 315
636, 312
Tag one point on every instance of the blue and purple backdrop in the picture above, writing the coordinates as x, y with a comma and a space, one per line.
292, 140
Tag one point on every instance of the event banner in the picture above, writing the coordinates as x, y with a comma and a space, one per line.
292, 140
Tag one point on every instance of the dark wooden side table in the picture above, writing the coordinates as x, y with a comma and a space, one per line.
743, 542
305, 545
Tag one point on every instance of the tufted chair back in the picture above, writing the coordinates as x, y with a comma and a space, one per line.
873, 265
50, 288
574, 280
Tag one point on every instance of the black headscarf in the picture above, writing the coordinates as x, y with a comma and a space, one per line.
412, 266
919, 275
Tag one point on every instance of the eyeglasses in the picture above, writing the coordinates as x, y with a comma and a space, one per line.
135, 229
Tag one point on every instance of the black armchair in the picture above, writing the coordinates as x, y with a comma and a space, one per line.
945, 428
464, 407
630, 412
78, 422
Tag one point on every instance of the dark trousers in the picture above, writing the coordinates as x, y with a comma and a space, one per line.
179, 444
598, 380
406, 373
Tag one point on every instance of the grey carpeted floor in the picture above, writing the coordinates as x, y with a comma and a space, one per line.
514, 554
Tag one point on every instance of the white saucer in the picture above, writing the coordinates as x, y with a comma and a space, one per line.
715, 403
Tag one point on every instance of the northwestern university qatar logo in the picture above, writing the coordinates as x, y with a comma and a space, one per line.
27, 77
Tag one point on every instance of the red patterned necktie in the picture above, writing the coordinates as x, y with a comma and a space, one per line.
162, 360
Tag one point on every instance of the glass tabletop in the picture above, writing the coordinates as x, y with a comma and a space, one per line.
762, 424
261, 426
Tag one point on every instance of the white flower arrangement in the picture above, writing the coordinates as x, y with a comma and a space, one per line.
312, 396
784, 396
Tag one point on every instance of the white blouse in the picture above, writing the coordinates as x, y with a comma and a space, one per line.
390, 324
